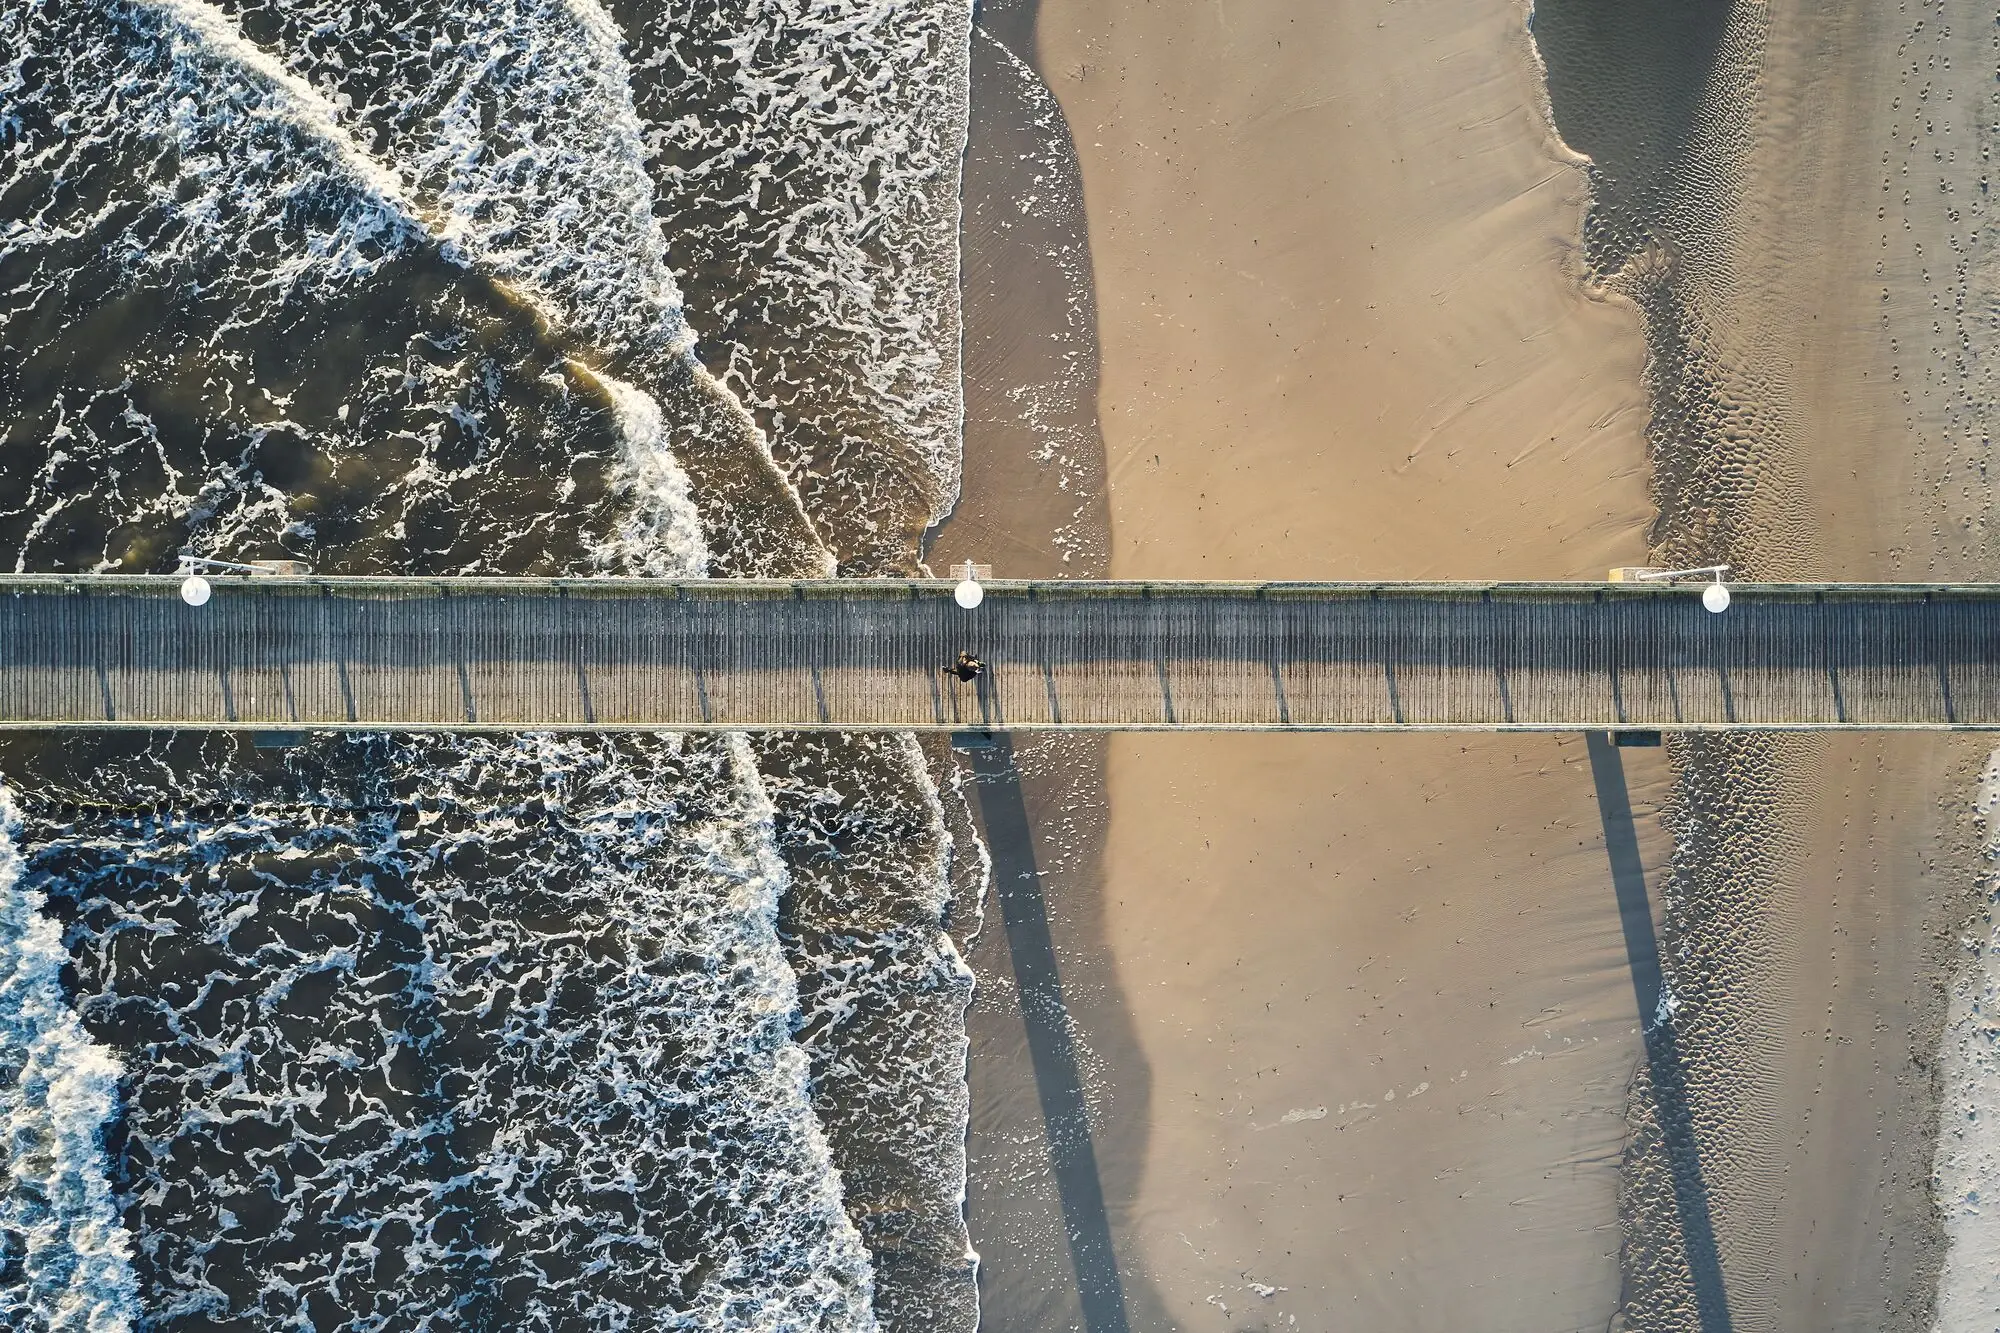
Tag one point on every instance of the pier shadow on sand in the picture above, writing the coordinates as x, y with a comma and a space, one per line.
1058, 1080
1669, 1078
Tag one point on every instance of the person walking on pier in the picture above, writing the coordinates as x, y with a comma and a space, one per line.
967, 667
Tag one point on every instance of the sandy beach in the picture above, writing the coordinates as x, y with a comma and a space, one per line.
1059, 1090
1507, 1032
1381, 983
1791, 197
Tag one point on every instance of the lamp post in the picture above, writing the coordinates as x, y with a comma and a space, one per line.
969, 593
1714, 598
196, 590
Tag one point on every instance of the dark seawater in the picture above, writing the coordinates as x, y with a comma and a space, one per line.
392, 1032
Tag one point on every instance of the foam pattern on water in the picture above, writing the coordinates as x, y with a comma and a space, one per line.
457, 1034
515, 122
385, 290
883, 993
230, 334
664, 539
65, 1259
807, 158
1967, 1180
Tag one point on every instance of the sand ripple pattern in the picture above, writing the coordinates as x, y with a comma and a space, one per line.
1663, 102
1726, 956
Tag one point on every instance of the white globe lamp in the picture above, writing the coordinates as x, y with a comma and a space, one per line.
1715, 597
968, 594
195, 590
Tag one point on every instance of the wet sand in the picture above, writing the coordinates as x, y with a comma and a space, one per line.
1383, 985
1060, 1089
1793, 197
1358, 1021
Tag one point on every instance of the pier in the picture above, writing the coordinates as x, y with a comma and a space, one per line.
310, 654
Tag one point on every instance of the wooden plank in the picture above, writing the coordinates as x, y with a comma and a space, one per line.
518, 654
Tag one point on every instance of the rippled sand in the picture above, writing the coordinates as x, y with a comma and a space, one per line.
1403, 292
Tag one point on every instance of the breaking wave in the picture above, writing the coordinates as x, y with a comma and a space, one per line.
66, 1262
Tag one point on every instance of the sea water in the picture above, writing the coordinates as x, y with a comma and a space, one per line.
539, 1032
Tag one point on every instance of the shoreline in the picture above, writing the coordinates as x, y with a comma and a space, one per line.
1320, 363
1059, 1088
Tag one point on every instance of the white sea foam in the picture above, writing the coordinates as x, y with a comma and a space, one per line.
67, 1259
535, 152
202, 34
745, 849
662, 536
521, 159
810, 180
1967, 1180
510, 143
249, 137
883, 993
515, 125
509, 1019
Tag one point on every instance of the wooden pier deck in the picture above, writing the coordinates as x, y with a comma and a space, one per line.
519, 654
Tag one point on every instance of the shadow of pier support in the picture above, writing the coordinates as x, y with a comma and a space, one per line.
1663, 1057
1058, 1081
